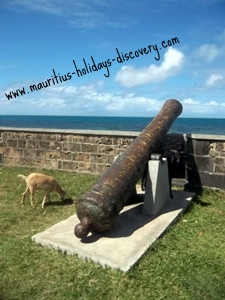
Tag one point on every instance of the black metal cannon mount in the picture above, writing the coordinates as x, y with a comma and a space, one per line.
99, 207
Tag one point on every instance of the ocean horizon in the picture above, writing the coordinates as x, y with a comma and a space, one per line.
214, 126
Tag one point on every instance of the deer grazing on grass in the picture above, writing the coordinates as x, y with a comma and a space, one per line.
36, 181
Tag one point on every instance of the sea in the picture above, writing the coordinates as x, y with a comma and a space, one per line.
214, 126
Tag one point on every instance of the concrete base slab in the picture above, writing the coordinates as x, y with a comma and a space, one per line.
122, 246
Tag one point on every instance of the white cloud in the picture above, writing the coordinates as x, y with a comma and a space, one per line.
130, 76
213, 103
209, 52
81, 100
190, 101
92, 99
195, 108
214, 80
79, 13
54, 103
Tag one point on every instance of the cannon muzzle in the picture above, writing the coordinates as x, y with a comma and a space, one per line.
99, 207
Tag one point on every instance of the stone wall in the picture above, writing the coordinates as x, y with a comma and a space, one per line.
78, 151
205, 162
202, 161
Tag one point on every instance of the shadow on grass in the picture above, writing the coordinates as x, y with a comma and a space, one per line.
199, 191
66, 201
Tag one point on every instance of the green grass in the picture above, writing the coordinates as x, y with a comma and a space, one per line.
186, 263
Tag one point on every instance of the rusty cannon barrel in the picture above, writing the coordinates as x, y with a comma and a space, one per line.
99, 207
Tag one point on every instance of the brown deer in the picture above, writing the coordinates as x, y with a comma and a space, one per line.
36, 181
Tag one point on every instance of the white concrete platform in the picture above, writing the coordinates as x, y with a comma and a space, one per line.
122, 246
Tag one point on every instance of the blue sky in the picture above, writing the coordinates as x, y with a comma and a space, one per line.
138, 54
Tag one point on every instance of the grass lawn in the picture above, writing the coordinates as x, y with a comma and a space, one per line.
186, 263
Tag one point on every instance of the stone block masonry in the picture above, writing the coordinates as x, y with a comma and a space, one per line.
78, 151
205, 163
202, 163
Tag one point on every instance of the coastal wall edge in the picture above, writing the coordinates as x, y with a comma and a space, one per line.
93, 151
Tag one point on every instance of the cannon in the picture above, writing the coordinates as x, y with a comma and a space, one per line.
99, 207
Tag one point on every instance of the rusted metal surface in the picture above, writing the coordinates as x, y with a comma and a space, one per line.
99, 207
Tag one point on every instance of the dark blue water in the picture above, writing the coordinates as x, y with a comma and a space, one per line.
180, 125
